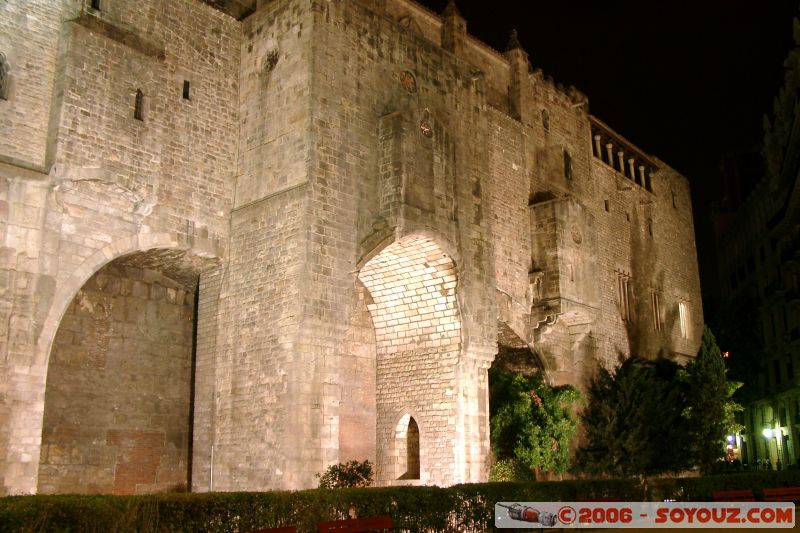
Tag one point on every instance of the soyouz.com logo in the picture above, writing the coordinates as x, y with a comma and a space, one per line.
644, 514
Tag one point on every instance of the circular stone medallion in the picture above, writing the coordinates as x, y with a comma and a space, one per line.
408, 81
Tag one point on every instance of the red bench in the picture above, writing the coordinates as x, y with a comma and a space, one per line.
782, 494
743, 495
290, 529
356, 525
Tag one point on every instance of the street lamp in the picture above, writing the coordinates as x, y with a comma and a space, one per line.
767, 433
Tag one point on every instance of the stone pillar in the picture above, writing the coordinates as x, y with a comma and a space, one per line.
454, 29
519, 104
791, 412
472, 416
610, 153
597, 148
621, 161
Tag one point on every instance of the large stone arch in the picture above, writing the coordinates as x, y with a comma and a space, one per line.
516, 355
412, 284
26, 420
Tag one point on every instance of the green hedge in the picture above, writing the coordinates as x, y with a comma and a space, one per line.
699, 489
461, 508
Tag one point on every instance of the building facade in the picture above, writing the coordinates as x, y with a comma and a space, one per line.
245, 241
757, 249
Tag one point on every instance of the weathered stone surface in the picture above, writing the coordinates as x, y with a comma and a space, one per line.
372, 201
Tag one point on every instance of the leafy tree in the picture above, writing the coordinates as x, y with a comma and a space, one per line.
710, 409
634, 422
352, 474
532, 422
512, 470
651, 417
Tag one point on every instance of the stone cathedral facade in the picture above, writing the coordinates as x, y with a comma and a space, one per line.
241, 241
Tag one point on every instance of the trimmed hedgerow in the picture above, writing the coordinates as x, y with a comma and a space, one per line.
460, 508
699, 489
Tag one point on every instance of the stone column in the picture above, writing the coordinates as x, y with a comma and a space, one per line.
597, 148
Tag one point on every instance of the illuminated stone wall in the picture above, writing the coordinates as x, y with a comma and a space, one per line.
371, 198
118, 394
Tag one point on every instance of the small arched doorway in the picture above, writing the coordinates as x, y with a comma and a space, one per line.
407, 443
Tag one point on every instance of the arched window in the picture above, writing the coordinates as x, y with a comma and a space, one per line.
5, 77
408, 448
138, 105
567, 164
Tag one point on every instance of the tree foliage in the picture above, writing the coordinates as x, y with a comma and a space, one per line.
634, 422
532, 422
710, 410
351, 474
654, 416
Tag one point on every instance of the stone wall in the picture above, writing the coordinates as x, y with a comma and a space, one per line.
118, 394
95, 182
357, 370
279, 158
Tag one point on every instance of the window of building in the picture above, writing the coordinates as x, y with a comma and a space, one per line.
605, 204
650, 227
5, 77
655, 301
408, 463
567, 164
186, 88
683, 317
674, 201
138, 105
625, 295
95, 4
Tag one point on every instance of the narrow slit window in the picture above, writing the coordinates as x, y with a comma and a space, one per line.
683, 315
656, 303
186, 90
96, 5
625, 297
138, 105
605, 204
5, 77
567, 164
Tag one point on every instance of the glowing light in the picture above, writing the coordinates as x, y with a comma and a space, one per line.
767, 433
730, 439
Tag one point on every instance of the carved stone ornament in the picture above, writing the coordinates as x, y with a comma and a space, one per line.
408, 81
576, 234
426, 128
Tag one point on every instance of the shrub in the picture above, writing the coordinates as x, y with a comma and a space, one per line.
532, 422
457, 509
347, 475
510, 470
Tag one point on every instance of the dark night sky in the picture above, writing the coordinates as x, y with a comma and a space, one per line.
686, 82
